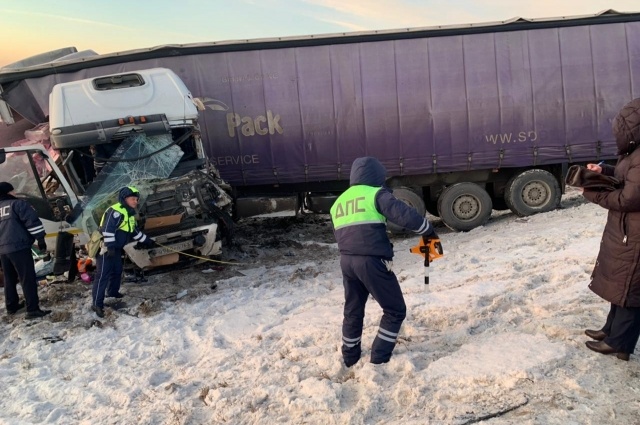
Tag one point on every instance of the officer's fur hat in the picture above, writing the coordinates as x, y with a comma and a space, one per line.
127, 191
5, 187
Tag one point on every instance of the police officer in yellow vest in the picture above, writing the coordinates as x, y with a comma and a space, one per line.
118, 227
359, 218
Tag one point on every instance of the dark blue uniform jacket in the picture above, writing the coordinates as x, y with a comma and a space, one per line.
114, 237
20, 226
372, 239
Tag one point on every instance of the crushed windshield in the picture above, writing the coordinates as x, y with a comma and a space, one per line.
138, 158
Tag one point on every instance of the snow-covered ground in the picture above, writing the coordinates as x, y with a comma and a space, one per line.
497, 337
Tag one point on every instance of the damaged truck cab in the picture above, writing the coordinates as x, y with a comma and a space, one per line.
132, 129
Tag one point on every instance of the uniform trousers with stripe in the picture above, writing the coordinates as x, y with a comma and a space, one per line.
18, 266
622, 328
363, 276
108, 277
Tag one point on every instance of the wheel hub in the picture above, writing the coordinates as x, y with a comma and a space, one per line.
466, 207
535, 194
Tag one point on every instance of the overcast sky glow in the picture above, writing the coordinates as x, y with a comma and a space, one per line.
30, 27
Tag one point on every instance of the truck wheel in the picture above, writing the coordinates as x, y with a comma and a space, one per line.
531, 192
410, 198
464, 206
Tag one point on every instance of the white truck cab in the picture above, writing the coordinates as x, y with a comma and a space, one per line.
136, 128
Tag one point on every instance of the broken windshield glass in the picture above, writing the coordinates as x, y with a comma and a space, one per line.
138, 158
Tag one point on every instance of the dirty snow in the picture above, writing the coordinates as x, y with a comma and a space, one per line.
496, 338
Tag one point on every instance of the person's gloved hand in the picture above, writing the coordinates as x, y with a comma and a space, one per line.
42, 245
432, 240
150, 243
147, 244
431, 234
111, 252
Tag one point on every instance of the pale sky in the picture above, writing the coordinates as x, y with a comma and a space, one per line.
30, 27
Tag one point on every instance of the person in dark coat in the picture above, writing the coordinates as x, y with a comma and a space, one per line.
118, 227
616, 275
20, 227
359, 218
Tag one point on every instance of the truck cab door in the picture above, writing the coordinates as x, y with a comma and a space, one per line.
35, 181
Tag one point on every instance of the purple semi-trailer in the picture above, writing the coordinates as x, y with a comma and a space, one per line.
464, 118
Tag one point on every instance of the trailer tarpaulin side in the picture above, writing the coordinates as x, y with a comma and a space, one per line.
514, 94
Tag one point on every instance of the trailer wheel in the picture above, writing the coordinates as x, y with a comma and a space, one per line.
410, 198
464, 206
531, 192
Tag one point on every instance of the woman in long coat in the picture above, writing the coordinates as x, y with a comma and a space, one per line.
616, 275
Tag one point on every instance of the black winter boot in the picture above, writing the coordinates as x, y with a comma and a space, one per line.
13, 311
98, 310
348, 362
37, 313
